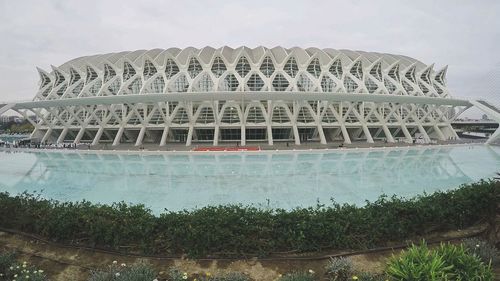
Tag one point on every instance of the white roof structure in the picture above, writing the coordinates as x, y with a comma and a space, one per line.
242, 69
261, 94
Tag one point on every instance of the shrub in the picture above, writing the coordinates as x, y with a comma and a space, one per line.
339, 269
483, 249
7, 259
298, 276
247, 231
121, 272
447, 262
465, 266
24, 271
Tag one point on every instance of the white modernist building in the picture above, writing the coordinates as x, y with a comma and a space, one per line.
241, 95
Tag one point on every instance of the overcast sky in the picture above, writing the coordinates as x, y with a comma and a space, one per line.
465, 35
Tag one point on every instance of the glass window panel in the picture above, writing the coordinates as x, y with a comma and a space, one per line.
218, 67
194, 67
243, 67
171, 68
280, 83
314, 68
291, 67
255, 83
336, 69
149, 70
267, 67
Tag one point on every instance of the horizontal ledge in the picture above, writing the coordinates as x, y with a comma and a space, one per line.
240, 96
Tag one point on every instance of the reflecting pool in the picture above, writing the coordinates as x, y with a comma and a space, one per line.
266, 179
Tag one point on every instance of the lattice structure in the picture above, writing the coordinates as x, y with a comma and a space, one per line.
263, 95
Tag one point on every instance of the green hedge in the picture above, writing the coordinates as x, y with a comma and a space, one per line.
240, 231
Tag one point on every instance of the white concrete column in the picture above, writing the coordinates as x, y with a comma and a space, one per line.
216, 135
369, 138
243, 136
495, 137
79, 136
387, 133
439, 133
98, 136
406, 133
189, 136
118, 136
269, 135
164, 136
138, 142
47, 135
345, 134
423, 132
453, 132
296, 135
61, 137
321, 134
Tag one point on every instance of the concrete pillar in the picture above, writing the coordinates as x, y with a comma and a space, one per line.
296, 135
345, 134
269, 135
406, 133
98, 136
164, 136
369, 138
118, 136
62, 135
439, 133
453, 132
216, 135
79, 136
47, 135
495, 137
387, 133
321, 133
424, 133
243, 136
138, 142
189, 136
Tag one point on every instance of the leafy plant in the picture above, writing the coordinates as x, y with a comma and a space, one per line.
465, 266
298, 276
115, 272
7, 259
339, 269
483, 249
24, 271
447, 262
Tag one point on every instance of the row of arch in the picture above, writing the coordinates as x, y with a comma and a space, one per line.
336, 77
252, 113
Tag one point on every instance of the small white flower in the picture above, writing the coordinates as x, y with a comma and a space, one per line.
155, 279
40, 271
123, 265
115, 262
311, 271
15, 275
11, 268
185, 277
477, 246
117, 274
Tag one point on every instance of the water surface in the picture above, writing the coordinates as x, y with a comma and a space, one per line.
267, 179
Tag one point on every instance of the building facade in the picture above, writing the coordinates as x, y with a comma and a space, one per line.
211, 96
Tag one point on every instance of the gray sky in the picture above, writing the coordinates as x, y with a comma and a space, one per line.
462, 34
